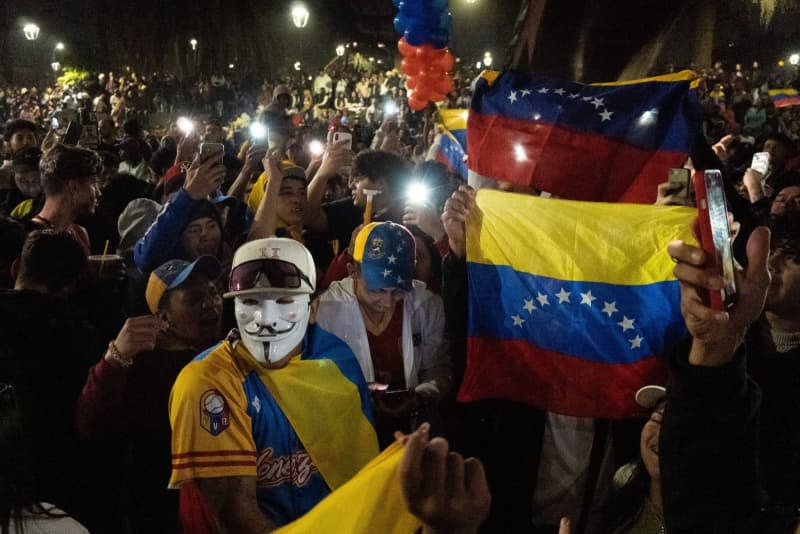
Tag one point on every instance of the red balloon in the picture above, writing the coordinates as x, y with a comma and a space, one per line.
412, 82
444, 85
410, 66
404, 48
415, 104
445, 61
425, 53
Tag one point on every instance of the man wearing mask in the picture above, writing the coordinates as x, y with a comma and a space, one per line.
258, 421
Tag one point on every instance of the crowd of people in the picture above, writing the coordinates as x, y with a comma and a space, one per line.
194, 310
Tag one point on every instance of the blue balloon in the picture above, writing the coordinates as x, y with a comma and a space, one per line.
416, 36
439, 5
397, 3
445, 21
399, 24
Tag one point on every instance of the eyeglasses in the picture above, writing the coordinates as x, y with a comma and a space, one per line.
267, 274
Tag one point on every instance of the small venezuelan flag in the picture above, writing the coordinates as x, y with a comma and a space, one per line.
455, 121
570, 303
452, 155
604, 142
782, 98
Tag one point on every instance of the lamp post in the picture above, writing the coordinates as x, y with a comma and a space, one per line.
300, 15
31, 31
60, 47
794, 59
340, 50
193, 44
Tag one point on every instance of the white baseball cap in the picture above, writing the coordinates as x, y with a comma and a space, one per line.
272, 265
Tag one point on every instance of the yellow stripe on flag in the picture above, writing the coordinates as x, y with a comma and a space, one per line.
370, 503
454, 119
622, 244
682, 76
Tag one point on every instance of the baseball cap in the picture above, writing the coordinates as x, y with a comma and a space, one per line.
134, 221
272, 265
281, 90
649, 396
175, 272
386, 253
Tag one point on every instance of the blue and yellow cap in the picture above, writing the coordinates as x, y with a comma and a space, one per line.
175, 272
386, 253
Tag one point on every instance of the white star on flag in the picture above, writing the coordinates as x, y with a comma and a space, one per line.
526, 92
574, 95
636, 342
529, 305
626, 324
400, 280
517, 320
392, 258
610, 308
606, 115
542, 299
563, 296
597, 102
559, 91
587, 98
543, 90
587, 298
386, 272
512, 97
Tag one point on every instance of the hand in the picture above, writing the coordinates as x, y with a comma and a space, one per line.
721, 147
336, 156
669, 195
454, 218
204, 176
187, 148
563, 527
717, 334
754, 182
424, 217
138, 335
272, 163
254, 155
442, 489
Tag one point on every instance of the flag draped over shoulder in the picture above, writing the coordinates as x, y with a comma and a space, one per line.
451, 154
570, 303
605, 142
782, 98
371, 502
455, 121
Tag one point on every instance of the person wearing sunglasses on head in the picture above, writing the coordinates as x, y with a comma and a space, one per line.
272, 419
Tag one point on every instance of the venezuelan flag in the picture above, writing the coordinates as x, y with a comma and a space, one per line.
455, 121
570, 303
605, 142
782, 98
452, 155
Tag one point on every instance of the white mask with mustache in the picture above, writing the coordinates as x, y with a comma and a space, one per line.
270, 329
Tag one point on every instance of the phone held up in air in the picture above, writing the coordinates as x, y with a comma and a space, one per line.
680, 184
715, 236
211, 149
340, 136
73, 134
760, 162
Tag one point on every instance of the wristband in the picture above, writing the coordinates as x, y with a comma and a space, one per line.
113, 355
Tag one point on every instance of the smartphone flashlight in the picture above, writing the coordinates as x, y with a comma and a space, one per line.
316, 148
390, 108
418, 193
185, 125
258, 131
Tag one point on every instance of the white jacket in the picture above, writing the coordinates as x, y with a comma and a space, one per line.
426, 359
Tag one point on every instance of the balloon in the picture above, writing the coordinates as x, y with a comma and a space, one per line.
410, 66
439, 5
412, 82
446, 61
416, 35
415, 104
444, 85
436, 97
405, 48
425, 53
399, 24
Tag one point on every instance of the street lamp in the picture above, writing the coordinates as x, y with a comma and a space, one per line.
340, 50
231, 66
297, 65
31, 31
300, 15
470, 1
60, 47
487, 59
794, 59
56, 66
193, 42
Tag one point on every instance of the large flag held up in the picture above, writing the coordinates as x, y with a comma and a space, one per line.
782, 98
604, 142
570, 303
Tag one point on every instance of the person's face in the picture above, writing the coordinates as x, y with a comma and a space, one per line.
84, 195
423, 267
213, 134
285, 101
202, 237
28, 182
107, 129
22, 139
194, 311
292, 202
334, 191
778, 152
357, 186
783, 297
379, 301
787, 200
648, 442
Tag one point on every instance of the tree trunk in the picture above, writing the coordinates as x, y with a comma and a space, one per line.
523, 43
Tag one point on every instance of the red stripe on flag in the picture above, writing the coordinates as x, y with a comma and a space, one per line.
784, 102
516, 370
570, 164
187, 465
214, 453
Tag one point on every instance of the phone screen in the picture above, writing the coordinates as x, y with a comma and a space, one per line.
760, 162
715, 234
679, 182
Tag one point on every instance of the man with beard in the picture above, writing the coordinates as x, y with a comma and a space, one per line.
275, 417
127, 392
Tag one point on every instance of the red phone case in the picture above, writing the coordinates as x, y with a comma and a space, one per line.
711, 298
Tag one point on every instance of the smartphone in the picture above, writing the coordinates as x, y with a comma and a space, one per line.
73, 134
715, 237
208, 150
54, 124
395, 393
338, 136
760, 162
679, 182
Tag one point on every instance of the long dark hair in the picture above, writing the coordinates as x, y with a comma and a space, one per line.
631, 487
17, 484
